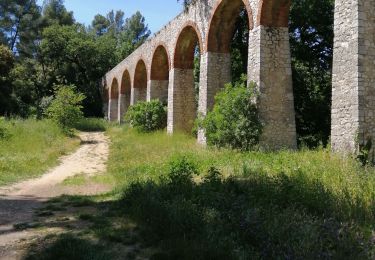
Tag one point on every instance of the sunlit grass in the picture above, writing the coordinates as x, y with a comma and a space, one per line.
140, 157
31, 148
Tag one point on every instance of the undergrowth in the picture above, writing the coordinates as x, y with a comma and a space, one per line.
187, 202
29, 147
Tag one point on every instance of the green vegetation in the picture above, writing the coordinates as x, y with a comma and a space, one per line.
234, 121
91, 125
44, 45
65, 108
180, 201
30, 148
147, 116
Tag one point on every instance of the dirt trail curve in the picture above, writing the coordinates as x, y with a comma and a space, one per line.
18, 202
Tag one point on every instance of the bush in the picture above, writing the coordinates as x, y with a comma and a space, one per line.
4, 132
91, 125
65, 109
147, 116
234, 121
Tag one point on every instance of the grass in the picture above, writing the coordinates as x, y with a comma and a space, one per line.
91, 125
29, 148
187, 202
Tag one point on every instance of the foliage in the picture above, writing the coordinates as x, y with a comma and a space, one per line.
182, 170
234, 121
135, 33
311, 40
54, 12
66, 108
6, 64
305, 205
147, 116
50, 48
19, 20
6, 61
91, 125
67, 246
31, 148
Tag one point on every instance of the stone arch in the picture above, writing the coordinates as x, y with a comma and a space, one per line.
222, 24
159, 77
216, 68
140, 82
105, 99
113, 100
182, 108
125, 93
187, 40
273, 13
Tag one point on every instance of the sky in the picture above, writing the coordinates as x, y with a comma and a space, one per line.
157, 13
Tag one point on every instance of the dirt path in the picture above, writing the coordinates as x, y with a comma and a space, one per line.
18, 202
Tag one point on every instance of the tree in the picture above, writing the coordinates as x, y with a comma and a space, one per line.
100, 24
134, 34
19, 20
54, 12
116, 21
77, 57
6, 64
65, 109
311, 40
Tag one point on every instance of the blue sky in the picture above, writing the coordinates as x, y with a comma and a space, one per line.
157, 13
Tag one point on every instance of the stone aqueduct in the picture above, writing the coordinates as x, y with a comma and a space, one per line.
162, 68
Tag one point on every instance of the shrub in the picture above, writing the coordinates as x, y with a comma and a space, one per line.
65, 109
147, 116
4, 132
181, 170
91, 125
234, 121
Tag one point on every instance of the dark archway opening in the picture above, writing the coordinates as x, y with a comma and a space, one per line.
160, 75
186, 78
125, 93
140, 82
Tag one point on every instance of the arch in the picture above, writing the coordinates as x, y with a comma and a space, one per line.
140, 81
114, 90
113, 100
159, 78
125, 82
222, 24
187, 40
160, 63
272, 13
182, 108
125, 93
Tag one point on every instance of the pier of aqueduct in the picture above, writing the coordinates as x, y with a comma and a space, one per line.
162, 68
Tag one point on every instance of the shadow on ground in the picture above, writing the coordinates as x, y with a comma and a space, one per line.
256, 217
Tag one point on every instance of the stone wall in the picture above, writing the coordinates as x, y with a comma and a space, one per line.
353, 90
269, 66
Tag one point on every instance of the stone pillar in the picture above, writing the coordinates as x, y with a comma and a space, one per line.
270, 67
157, 89
215, 72
353, 79
113, 110
105, 110
181, 100
139, 94
122, 107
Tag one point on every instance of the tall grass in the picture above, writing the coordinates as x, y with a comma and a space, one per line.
181, 201
29, 148
285, 204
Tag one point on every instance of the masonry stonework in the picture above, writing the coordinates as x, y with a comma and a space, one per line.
167, 60
353, 89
